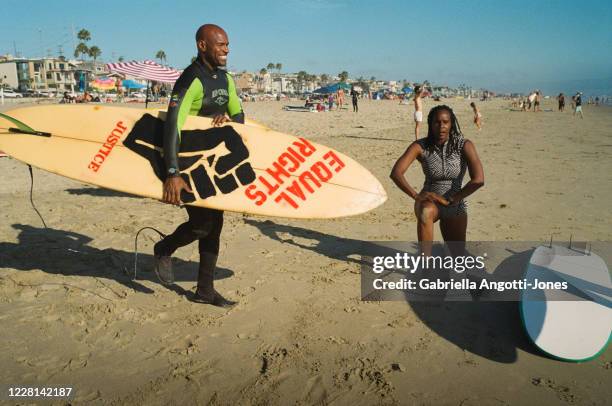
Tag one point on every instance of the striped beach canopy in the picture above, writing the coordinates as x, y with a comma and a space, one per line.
147, 70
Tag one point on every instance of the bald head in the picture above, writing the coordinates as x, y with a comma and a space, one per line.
213, 45
207, 30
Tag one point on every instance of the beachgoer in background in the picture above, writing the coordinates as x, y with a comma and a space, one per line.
530, 100
203, 89
86, 98
418, 110
330, 102
67, 98
340, 97
537, 101
308, 103
477, 116
578, 101
119, 89
515, 103
561, 99
354, 97
444, 156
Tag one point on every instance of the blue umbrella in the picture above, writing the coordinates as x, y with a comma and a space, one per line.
130, 84
324, 90
333, 88
407, 89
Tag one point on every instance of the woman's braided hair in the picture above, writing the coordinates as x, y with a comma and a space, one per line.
455, 137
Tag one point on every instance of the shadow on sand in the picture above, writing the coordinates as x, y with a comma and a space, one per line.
100, 192
492, 330
68, 253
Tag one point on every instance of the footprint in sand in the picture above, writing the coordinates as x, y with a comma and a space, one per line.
315, 392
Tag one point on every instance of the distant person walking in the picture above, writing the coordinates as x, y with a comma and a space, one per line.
330, 101
354, 98
561, 99
578, 101
477, 116
530, 100
418, 110
340, 97
537, 101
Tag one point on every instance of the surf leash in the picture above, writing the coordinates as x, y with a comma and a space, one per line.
32, 198
23, 128
161, 235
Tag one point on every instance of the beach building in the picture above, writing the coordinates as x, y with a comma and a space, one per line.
8, 74
48, 73
245, 82
56, 73
282, 84
264, 82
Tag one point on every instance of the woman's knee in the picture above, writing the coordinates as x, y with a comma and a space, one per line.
427, 212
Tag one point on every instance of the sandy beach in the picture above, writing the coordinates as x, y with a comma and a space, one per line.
71, 314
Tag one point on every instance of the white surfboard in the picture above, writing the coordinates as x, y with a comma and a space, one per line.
573, 325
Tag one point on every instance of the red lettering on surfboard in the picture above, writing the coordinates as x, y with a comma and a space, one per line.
288, 182
111, 140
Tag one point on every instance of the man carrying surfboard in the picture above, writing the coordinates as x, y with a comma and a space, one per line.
203, 89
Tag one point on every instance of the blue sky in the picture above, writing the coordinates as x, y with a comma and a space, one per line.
501, 45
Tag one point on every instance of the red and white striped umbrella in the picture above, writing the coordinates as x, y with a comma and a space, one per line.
147, 70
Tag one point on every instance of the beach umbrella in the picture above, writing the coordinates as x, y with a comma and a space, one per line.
147, 70
323, 90
341, 85
131, 84
407, 89
103, 84
333, 88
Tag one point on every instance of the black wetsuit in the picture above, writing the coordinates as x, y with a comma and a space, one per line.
354, 96
207, 92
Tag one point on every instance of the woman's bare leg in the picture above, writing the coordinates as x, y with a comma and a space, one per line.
427, 214
453, 231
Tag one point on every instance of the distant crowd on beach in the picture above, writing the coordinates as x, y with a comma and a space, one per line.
533, 102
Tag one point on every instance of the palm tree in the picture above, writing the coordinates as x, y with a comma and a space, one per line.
121, 59
271, 66
161, 55
84, 35
343, 76
301, 78
94, 52
324, 79
262, 73
278, 67
81, 49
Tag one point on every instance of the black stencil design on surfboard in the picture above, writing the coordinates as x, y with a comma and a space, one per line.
228, 172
